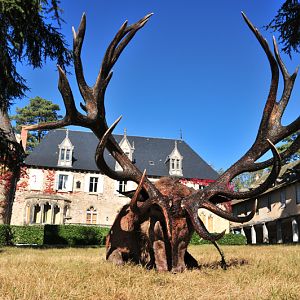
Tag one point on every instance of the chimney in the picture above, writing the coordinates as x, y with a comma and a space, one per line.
24, 134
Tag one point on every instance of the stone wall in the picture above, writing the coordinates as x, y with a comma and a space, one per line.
107, 203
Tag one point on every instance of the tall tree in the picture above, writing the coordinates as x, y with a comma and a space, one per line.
287, 24
39, 110
28, 33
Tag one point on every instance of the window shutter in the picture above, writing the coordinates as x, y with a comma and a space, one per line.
69, 184
86, 183
100, 184
56, 180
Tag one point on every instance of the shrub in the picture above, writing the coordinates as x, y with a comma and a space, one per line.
29, 235
233, 239
227, 239
4, 235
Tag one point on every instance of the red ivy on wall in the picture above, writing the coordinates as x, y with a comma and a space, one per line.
50, 181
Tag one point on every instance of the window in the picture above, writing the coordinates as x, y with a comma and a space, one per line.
46, 212
298, 193
65, 154
93, 187
177, 164
68, 152
283, 198
47, 216
62, 154
62, 182
173, 164
122, 186
93, 183
91, 215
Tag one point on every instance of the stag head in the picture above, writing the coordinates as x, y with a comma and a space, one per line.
170, 212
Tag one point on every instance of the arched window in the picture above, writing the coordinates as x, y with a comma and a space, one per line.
47, 214
36, 214
56, 215
91, 215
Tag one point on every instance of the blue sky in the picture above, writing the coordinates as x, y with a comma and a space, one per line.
195, 67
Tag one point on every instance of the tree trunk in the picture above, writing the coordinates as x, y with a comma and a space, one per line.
11, 155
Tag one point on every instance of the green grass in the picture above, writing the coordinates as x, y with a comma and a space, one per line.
256, 272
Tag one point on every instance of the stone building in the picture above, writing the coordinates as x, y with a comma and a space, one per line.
277, 217
61, 184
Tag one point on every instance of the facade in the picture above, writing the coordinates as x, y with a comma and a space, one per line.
61, 184
277, 217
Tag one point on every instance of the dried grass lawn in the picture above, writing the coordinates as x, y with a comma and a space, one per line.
260, 272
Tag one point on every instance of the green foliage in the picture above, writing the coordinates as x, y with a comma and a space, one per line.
31, 235
287, 23
27, 36
227, 239
287, 143
4, 234
246, 179
73, 235
39, 110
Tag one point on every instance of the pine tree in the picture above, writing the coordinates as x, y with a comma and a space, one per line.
39, 110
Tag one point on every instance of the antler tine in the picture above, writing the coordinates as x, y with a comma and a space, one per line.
118, 44
133, 203
271, 100
130, 172
262, 187
72, 117
78, 38
270, 132
200, 227
224, 214
270, 126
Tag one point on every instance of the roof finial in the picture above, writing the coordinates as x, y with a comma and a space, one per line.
175, 144
125, 132
181, 134
67, 133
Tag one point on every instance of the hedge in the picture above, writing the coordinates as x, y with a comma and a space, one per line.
32, 235
227, 239
70, 235
4, 234
73, 235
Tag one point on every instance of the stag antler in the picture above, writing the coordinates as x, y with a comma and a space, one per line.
94, 108
270, 132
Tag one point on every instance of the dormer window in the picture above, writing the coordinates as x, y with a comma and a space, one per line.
127, 148
175, 162
65, 152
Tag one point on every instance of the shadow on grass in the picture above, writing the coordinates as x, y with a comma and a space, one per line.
234, 262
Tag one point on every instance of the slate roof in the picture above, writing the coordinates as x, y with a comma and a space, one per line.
154, 150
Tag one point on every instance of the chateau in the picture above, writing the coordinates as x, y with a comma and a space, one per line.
61, 184
277, 218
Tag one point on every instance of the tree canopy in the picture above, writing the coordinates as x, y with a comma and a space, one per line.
39, 110
287, 24
286, 143
27, 34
